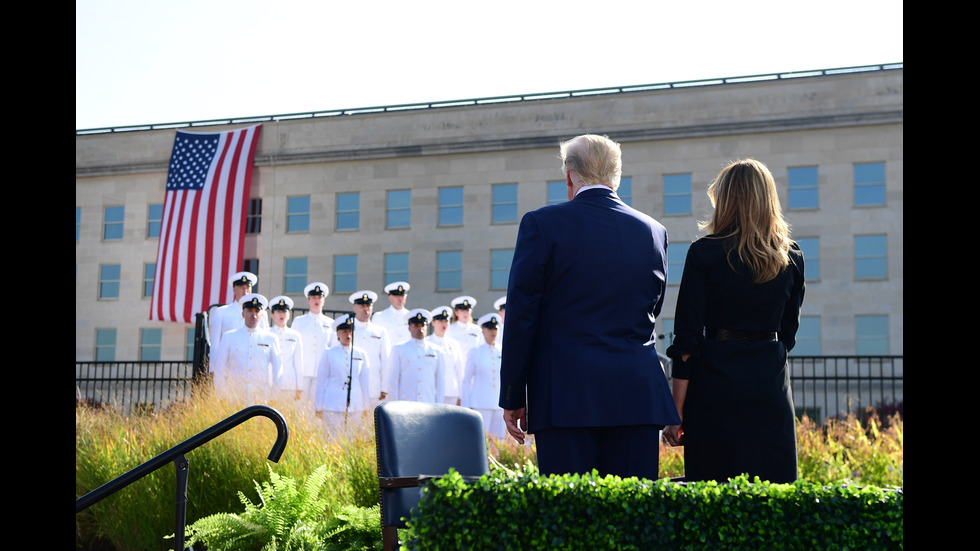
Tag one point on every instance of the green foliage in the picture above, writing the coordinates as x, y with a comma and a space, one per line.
289, 517
136, 518
523, 510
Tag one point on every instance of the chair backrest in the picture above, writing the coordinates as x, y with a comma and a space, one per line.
415, 438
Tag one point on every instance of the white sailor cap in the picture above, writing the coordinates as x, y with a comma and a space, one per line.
490, 321
397, 288
281, 302
363, 297
345, 321
419, 315
500, 303
243, 278
464, 303
317, 288
442, 313
254, 300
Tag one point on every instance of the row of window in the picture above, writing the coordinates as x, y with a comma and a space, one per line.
871, 337
804, 193
870, 263
151, 345
449, 273
870, 332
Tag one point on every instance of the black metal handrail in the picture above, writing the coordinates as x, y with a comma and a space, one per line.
176, 455
502, 99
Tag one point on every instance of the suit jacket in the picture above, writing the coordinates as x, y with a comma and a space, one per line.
586, 284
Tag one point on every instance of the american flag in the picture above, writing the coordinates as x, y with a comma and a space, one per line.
203, 230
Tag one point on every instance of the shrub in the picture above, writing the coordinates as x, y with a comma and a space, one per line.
522, 510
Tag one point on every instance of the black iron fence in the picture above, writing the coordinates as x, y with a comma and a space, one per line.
129, 386
823, 386
829, 386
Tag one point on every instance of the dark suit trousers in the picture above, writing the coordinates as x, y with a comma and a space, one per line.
624, 451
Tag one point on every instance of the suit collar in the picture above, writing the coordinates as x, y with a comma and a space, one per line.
596, 192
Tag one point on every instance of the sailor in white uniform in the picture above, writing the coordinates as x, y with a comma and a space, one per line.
463, 330
247, 357
342, 368
229, 316
481, 379
290, 344
501, 306
373, 338
454, 355
394, 317
316, 329
417, 370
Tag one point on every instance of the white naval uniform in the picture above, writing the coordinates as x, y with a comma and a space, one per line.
225, 318
481, 387
315, 330
417, 372
331, 379
291, 346
468, 335
245, 361
376, 342
396, 322
454, 366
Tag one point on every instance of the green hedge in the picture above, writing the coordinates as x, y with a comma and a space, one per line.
523, 510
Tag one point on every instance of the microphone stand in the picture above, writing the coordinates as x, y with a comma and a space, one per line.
350, 370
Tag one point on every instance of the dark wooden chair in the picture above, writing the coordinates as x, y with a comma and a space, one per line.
416, 440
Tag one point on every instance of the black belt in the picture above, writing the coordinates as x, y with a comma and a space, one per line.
738, 335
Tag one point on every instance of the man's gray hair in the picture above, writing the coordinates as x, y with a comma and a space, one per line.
597, 160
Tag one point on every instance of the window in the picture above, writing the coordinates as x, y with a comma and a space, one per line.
811, 256
803, 193
625, 191
189, 347
78, 223
869, 184
396, 267
677, 194
105, 345
504, 204
294, 275
808, 337
500, 261
109, 280
298, 214
154, 220
345, 273
253, 220
557, 192
870, 256
676, 255
150, 345
348, 212
449, 270
399, 209
451, 206
149, 271
872, 335
112, 228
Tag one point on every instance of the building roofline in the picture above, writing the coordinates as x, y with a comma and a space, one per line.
513, 98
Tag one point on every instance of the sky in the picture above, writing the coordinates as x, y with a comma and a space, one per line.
153, 62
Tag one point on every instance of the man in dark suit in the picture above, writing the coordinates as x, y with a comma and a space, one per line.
579, 369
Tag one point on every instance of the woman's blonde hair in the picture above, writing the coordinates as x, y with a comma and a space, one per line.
748, 210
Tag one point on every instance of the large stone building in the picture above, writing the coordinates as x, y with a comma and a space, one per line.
433, 195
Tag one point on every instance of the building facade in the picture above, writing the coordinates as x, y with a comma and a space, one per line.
433, 195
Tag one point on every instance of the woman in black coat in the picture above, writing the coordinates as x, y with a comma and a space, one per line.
737, 315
